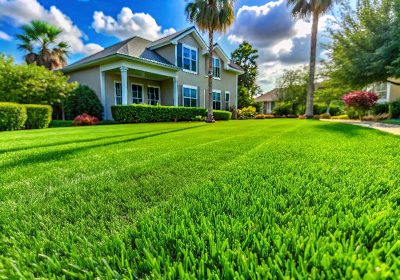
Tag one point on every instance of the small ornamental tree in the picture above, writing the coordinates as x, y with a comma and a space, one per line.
361, 101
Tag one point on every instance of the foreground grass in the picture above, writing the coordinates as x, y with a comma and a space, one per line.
250, 199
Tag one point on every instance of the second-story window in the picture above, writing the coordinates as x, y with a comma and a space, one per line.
189, 56
216, 67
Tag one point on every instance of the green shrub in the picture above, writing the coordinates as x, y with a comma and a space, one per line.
12, 116
325, 116
340, 117
138, 113
39, 116
380, 108
394, 109
283, 109
220, 115
247, 113
320, 109
83, 100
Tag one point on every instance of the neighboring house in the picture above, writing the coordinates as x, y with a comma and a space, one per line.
388, 91
268, 100
170, 71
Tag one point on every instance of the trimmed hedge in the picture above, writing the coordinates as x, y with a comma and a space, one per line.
39, 116
12, 116
394, 109
220, 115
380, 108
138, 113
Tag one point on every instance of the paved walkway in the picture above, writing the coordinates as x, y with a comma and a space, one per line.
390, 128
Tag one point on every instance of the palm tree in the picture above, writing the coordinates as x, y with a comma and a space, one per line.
314, 9
39, 41
211, 16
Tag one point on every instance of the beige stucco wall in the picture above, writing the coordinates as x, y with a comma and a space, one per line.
89, 77
168, 52
394, 90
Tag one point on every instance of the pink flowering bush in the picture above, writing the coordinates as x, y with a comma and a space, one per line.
85, 119
361, 101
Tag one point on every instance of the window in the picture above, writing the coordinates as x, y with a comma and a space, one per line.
153, 95
137, 94
216, 67
189, 56
380, 89
189, 96
216, 100
117, 93
227, 100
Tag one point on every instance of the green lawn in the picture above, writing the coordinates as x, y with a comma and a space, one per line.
257, 199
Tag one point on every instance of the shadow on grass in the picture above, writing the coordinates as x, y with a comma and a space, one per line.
58, 155
3, 151
348, 130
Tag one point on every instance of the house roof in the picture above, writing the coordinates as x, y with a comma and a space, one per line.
135, 47
140, 48
272, 95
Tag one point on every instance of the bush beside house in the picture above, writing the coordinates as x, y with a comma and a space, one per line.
83, 100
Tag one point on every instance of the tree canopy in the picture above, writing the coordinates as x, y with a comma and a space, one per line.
245, 56
32, 84
366, 43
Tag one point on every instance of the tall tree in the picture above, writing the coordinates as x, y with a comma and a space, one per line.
366, 44
40, 41
211, 16
314, 9
245, 56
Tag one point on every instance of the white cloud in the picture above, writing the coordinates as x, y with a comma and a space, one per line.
282, 41
129, 24
20, 12
4, 36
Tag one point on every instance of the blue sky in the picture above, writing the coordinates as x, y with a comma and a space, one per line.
90, 25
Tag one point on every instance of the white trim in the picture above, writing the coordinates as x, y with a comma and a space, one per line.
197, 94
175, 40
217, 90
197, 59
124, 84
139, 66
137, 84
159, 93
217, 46
176, 94
236, 89
220, 98
220, 68
388, 85
115, 92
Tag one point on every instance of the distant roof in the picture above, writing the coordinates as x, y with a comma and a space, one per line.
272, 95
134, 46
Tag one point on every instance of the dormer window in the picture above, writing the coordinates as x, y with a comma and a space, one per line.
216, 67
189, 59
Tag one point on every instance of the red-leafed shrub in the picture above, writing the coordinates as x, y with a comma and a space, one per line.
361, 101
85, 119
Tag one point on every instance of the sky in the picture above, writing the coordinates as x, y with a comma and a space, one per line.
90, 25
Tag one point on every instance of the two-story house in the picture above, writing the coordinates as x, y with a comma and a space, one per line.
170, 71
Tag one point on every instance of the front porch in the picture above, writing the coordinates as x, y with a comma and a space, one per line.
126, 83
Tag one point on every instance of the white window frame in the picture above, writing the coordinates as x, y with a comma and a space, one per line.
141, 85
383, 94
229, 102
115, 92
183, 94
159, 93
214, 59
220, 101
183, 59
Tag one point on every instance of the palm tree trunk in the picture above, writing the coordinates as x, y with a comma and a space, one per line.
313, 55
210, 117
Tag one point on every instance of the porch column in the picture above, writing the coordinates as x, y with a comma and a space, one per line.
124, 84
175, 85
